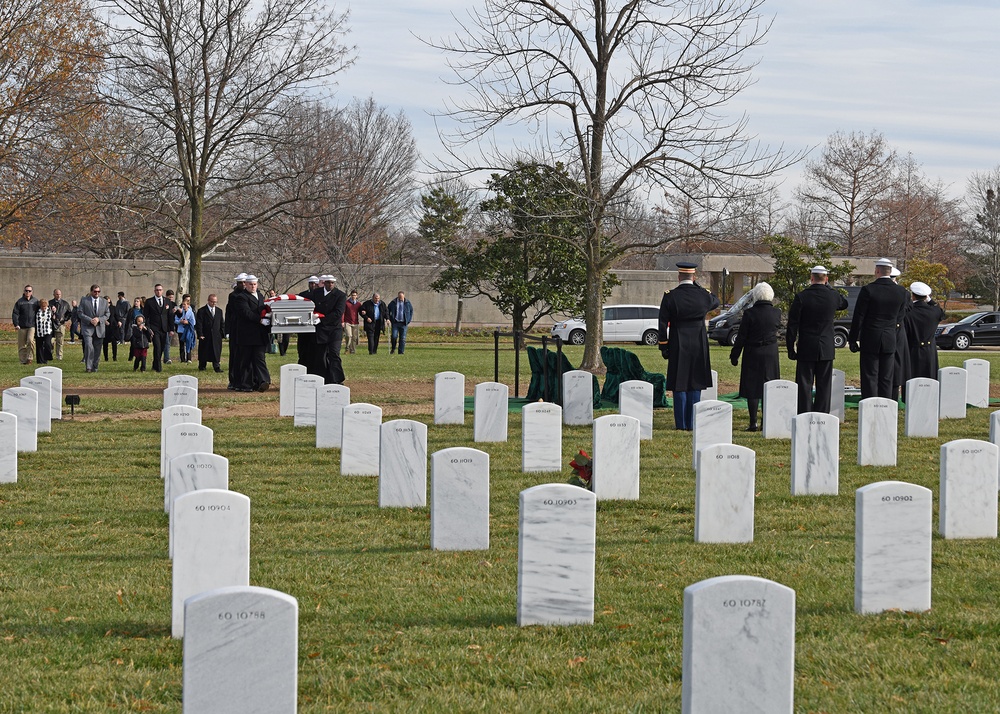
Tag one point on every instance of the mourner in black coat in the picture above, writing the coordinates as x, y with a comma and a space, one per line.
233, 328
252, 337
809, 339
757, 340
305, 342
158, 314
877, 316
684, 342
921, 323
373, 316
330, 302
210, 326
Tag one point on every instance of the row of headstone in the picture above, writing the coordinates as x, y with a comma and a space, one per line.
172, 416
330, 402
180, 395
779, 407
183, 440
196, 471
22, 403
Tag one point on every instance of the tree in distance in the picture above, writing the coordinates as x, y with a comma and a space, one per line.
793, 262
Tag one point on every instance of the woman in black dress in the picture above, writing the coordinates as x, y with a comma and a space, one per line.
757, 340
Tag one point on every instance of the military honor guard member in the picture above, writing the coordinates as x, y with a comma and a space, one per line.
877, 316
921, 323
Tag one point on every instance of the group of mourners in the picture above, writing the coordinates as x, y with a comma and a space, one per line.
893, 328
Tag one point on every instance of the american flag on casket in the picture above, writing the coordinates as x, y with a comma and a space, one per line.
290, 313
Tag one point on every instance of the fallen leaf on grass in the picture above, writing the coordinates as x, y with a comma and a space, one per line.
577, 661
313, 655
473, 647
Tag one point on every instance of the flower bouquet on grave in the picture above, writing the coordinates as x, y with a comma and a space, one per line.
583, 470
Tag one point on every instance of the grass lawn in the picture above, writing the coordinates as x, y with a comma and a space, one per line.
388, 625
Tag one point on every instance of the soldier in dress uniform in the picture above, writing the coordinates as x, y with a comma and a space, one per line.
306, 341
684, 342
877, 316
809, 338
901, 361
921, 323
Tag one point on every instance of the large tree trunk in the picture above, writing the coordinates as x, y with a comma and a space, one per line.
594, 317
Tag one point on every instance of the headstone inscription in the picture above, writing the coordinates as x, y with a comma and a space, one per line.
171, 416
460, 499
892, 547
954, 384
837, 400
968, 506
183, 380
174, 396
877, 431
402, 471
42, 385
361, 434
489, 416
578, 398
977, 385
635, 399
739, 646
556, 551
713, 424
921, 416
616, 458
241, 651
22, 402
55, 375
780, 405
286, 388
8, 448
330, 402
211, 546
815, 454
182, 439
449, 398
304, 399
194, 472
724, 493
541, 437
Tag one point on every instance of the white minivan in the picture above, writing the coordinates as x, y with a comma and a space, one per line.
622, 323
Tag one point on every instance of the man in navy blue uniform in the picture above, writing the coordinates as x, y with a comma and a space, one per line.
684, 343
877, 316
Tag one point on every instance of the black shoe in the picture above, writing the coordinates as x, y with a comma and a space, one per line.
753, 427
218, 370
263, 387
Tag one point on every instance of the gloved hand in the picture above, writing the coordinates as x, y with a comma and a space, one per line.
735, 361
664, 352
791, 354
855, 347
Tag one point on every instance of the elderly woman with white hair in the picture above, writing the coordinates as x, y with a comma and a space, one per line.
757, 341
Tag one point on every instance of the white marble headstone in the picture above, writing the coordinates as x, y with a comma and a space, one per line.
954, 384
781, 403
55, 375
724, 493
211, 545
921, 416
995, 430
578, 398
556, 550
977, 387
711, 393
815, 454
359, 450
449, 398
713, 424
183, 380
330, 402
968, 507
739, 646
839, 383
616, 458
241, 652
22, 402
489, 417
402, 472
878, 429
171, 416
541, 437
192, 472
181, 439
460, 499
892, 547
635, 399
304, 399
286, 388
42, 385
8, 448
174, 396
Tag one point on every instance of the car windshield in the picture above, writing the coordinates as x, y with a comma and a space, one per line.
971, 318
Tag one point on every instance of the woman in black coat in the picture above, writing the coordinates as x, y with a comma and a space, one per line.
757, 340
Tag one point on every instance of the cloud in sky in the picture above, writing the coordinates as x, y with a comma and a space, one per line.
922, 72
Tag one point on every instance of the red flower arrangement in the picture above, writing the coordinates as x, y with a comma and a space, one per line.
583, 470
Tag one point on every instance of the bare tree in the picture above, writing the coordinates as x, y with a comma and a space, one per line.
211, 83
983, 200
629, 97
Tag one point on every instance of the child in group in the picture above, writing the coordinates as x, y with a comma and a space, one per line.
43, 332
140, 343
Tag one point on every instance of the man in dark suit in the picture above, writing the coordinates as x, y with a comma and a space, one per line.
877, 316
158, 314
373, 314
253, 338
810, 321
94, 315
330, 302
233, 329
305, 342
210, 326
684, 342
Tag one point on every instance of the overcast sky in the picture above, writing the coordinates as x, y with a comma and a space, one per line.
923, 73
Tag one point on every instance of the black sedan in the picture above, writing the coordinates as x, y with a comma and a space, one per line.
981, 328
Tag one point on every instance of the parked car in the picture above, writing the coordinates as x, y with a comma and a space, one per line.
981, 328
622, 323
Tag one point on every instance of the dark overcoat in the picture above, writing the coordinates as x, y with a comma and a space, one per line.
810, 322
877, 315
757, 340
210, 333
920, 323
683, 311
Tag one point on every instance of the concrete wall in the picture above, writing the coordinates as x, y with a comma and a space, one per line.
75, 275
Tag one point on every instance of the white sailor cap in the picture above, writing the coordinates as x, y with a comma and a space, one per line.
250, 279
894, 273
240, 278
883, 263
920, 289
312, 279
819, 270
327, 278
